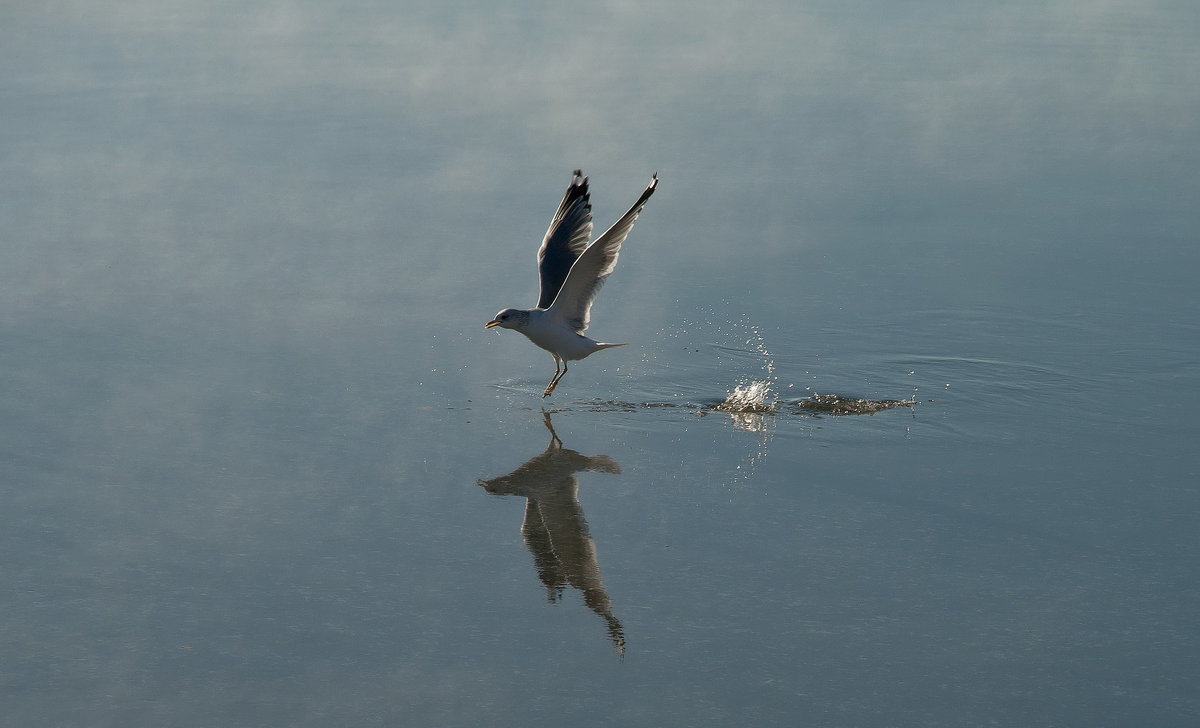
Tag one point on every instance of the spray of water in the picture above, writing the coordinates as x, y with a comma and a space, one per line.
754, 396
752, 403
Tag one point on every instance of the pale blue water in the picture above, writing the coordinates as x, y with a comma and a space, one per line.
249, 408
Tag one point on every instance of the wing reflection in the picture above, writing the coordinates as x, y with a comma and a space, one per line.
555, 530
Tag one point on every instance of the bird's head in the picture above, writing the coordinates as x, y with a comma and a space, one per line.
509, 318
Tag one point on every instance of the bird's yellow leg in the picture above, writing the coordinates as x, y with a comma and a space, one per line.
557, 376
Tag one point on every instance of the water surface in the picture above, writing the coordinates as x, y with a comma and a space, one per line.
262, 465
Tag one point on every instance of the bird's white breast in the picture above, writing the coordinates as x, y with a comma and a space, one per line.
555, 336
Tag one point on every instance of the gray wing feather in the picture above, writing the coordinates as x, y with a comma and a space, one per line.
594, 265
565, 240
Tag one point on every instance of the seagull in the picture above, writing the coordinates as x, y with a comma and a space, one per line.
572, 272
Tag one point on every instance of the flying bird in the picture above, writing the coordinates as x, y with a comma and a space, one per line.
572, 272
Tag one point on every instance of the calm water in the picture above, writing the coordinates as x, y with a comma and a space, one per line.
263, 466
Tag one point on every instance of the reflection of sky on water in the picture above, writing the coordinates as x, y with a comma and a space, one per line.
167, 130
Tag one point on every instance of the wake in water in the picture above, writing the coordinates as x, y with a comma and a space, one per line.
753, 402
834, 404
749, 399
757, 397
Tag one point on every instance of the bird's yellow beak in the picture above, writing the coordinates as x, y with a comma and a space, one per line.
491, 323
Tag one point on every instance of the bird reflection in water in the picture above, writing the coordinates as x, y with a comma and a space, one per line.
555, 530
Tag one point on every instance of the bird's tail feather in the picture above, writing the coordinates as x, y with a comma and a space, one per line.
608, 346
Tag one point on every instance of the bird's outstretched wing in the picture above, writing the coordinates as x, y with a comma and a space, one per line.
574, 301
565, 240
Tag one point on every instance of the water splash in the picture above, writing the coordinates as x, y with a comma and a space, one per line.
751, 405
754, 396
